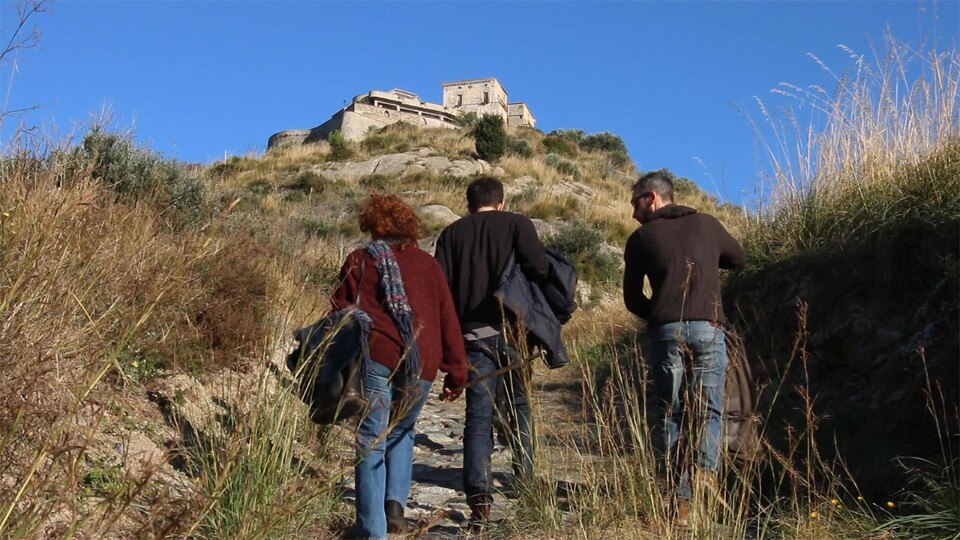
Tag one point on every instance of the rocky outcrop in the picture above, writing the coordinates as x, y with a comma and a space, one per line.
405, 163
527, 182
437, 215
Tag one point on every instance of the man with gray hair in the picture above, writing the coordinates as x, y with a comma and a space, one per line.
681, 251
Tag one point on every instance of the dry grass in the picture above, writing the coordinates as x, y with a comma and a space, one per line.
102, 298
884, 120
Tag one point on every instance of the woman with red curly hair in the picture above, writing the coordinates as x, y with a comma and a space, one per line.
414, 332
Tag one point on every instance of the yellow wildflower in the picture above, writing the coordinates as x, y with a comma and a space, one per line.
833, 501
890, 504
815, 514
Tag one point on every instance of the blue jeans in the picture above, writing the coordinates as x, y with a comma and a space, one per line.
704, 343
385, 445
505, 395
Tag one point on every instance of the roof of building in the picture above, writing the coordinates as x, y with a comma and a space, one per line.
469, 81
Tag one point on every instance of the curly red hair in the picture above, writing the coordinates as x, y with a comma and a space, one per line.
388, 217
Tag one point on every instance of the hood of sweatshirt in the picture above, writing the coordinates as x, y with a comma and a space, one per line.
670, 211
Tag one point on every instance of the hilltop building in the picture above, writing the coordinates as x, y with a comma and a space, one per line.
376, 109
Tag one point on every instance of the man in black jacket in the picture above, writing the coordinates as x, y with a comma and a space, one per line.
681, 251
473, 253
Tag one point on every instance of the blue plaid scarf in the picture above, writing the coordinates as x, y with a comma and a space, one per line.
395, 297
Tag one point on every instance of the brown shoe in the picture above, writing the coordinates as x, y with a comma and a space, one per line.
683, 512
708, 487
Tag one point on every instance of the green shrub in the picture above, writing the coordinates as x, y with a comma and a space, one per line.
571, 135
582, 244
467, 120
188, 203
491, 138
561, 146
136, 174
603, 142
102, 479
519, 147
563, 166
339, 147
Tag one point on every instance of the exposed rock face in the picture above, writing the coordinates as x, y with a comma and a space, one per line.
437, 214
404, 164
544, 228
526, 182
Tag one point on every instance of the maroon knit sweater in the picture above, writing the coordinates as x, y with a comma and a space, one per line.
434, 317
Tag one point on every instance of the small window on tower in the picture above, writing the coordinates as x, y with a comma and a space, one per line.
486, 98
459, 100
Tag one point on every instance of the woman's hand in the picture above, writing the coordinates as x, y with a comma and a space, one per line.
451, 391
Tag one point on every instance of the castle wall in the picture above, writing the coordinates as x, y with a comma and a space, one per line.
324, 130
288, 137
356, 121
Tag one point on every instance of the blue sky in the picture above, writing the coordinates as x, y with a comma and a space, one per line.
197, 79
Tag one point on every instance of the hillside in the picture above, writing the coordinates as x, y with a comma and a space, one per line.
147, 305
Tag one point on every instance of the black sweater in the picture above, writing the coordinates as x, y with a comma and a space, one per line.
473, 253
681, 252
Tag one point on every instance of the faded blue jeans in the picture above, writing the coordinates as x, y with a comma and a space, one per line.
704, 343
385, 440
505, 395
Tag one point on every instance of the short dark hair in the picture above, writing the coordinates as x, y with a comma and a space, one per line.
484, 191
658, 181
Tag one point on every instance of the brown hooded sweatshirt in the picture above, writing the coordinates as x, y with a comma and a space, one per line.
681, 252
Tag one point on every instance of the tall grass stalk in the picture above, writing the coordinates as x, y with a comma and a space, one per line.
863, 164
787, 490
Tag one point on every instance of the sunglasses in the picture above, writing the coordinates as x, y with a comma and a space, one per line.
636, 200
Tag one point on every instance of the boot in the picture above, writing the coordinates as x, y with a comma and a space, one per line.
683, 512
479, 511
395, 521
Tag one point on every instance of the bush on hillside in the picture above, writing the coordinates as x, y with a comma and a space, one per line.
603, 142
339, 147
137, 174
467, 120
562, 146
562, 165
519, 147
609, 144
571, 135
582, 243
491, 138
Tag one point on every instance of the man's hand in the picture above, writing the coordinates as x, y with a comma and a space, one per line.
450, 391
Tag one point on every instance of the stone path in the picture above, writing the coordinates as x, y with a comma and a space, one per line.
436, 496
